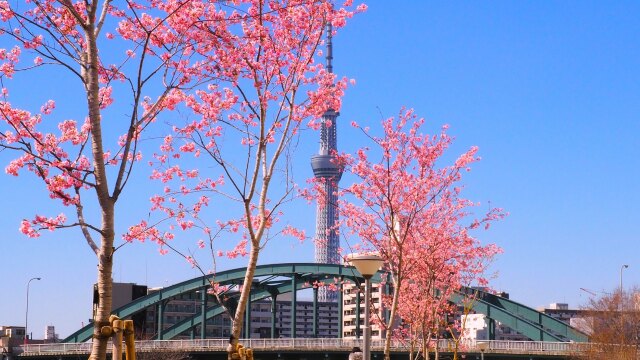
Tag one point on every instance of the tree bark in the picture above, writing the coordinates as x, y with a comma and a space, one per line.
105, 286
244, 295
90, 65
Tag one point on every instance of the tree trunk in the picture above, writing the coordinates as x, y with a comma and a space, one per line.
392, 316
90, 66
244, 295
426, 337
105, 285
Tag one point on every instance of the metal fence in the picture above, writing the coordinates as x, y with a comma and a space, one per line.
312, 345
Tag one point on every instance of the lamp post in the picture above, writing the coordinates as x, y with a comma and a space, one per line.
622, 268
621, 288
26, 313
367, 265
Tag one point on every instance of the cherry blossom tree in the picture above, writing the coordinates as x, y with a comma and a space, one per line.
265, 86
445, 260
409, 208
425, 304
159, 55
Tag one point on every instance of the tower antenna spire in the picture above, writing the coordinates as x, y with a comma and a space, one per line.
328, 172
329, 47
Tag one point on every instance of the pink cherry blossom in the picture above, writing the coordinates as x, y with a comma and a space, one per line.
406, 206
250, 78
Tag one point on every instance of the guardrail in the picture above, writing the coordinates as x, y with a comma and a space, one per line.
312, 345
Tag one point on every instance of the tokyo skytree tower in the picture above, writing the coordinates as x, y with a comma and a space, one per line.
327, 240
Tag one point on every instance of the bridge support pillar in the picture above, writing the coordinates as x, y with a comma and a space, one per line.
160, 314
315, 312
492, 329
542, 335
274, 304
294, 303
203, 313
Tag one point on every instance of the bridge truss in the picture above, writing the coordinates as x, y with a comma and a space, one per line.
275, 279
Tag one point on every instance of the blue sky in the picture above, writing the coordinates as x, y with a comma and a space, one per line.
549, 91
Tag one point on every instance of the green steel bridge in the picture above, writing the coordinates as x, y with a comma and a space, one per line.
274, 279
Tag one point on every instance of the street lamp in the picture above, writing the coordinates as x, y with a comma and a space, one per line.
26, 313
367, 265
625, 266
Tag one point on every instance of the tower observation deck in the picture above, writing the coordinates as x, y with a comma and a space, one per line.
325, 169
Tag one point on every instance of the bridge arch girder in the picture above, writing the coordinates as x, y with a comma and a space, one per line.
521, 318
307, 272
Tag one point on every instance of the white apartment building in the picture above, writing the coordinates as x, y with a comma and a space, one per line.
50, 334
476, 327
350, 310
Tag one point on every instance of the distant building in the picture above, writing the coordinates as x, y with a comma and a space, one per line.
327, 319
122, 294
559, 306
189, 305
476, 327
13, 332
576, 318
50, 334
476, 324
10, 336
14, 335
562, 312
351, 308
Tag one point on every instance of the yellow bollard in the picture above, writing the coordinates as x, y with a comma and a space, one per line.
129, 339
235, 354
118, 328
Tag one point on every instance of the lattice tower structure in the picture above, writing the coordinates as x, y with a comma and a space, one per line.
328, 173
